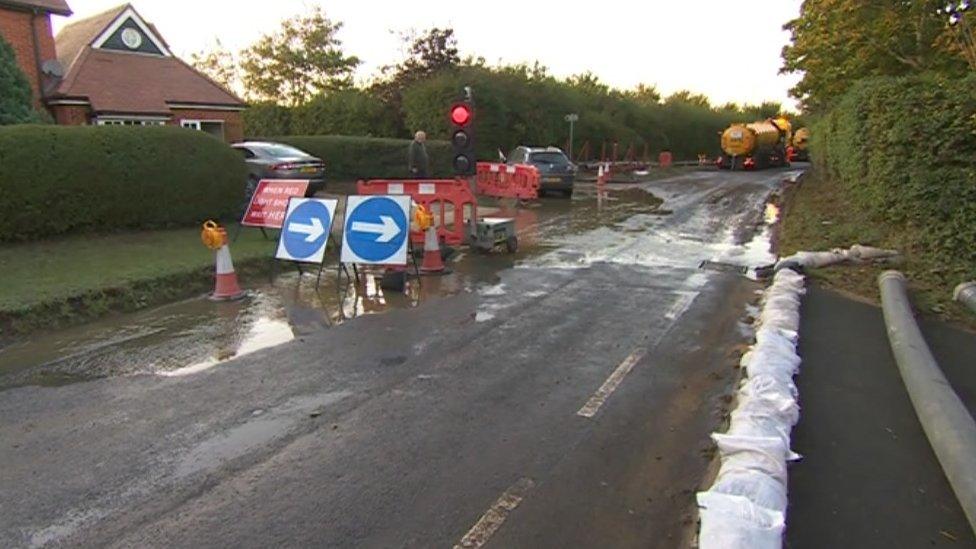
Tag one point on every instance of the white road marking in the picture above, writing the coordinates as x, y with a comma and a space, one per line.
676, 311
681, 305
601, 395
495, 516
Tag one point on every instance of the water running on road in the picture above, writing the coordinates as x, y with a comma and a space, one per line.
627, 225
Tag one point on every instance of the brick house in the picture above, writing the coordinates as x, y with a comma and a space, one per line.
26, 25
115, 68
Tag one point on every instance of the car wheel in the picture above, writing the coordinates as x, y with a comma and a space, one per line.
568, 193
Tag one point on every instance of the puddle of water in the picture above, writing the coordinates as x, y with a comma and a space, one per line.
254, 433
189, 337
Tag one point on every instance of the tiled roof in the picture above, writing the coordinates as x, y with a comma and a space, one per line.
59, 7
123, 82
74, 37
120, 82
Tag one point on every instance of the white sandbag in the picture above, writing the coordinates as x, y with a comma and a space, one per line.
758, 488
777, 335
774, 349
785, 299
765, 386
868, 253
786, 318
789, 279
748, 424
786, 411
733, 522
764, 454
772, 361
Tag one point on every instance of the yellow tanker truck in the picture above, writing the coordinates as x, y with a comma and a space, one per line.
756, 146
800, 150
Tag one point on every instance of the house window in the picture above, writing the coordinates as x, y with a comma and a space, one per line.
213, 127
128, 122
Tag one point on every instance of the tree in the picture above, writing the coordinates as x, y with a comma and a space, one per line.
961, 37
346, 112
836, 42
302, 59
646, 94
588, 83
219, 64
425, 55
430, 52
16, 97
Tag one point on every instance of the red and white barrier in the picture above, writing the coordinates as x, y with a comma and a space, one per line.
505, 181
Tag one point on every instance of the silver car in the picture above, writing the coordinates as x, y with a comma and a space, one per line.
268, 160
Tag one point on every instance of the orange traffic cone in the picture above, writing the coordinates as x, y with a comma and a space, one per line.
225, 279
433, 262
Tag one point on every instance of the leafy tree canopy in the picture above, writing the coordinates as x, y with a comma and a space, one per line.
836, 42
303, 58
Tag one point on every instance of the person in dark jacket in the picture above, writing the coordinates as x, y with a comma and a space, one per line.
417, 160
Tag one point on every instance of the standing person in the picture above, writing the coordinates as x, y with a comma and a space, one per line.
417, 160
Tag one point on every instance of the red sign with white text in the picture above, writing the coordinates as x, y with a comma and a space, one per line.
270, 202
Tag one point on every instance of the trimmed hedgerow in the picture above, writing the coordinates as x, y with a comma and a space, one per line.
905, 149
57, 180
350, 158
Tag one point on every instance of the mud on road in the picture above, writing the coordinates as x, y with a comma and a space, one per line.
301, 416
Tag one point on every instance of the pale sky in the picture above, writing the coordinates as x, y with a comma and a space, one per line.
729, 51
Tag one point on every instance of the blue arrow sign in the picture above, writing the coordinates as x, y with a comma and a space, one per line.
305, 230
376, 229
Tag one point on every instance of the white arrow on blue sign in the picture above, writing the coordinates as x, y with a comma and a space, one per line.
305, 231
377, 230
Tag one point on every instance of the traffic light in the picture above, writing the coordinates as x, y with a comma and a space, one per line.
462, 137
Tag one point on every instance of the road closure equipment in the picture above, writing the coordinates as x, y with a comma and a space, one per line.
507, 181
756, 146
226, 288
489, 232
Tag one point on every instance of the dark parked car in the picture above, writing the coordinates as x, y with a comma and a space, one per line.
556, 172
266, 160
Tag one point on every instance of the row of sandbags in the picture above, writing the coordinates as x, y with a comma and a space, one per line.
855, 254
746, 505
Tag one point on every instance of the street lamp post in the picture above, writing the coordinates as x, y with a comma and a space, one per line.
571, 118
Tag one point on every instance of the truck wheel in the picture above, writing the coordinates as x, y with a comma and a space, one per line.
511, 244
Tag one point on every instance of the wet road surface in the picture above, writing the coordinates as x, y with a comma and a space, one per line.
559, 397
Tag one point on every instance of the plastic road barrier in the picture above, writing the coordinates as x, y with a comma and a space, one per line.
504, 181
443, 198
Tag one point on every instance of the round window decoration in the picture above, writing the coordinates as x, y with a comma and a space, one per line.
131, 38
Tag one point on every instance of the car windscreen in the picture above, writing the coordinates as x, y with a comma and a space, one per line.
550, 158
276, 150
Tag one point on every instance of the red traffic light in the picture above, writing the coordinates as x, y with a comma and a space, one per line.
460, 114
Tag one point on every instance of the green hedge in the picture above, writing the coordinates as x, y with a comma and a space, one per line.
906, 150
55, 180
350, 158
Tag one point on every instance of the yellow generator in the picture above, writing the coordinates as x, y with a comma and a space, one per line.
756, 146
801, 146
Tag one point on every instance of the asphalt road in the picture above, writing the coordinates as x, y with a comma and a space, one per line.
869, 477
567, 403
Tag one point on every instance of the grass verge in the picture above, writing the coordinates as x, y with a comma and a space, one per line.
67, 281
817, 215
